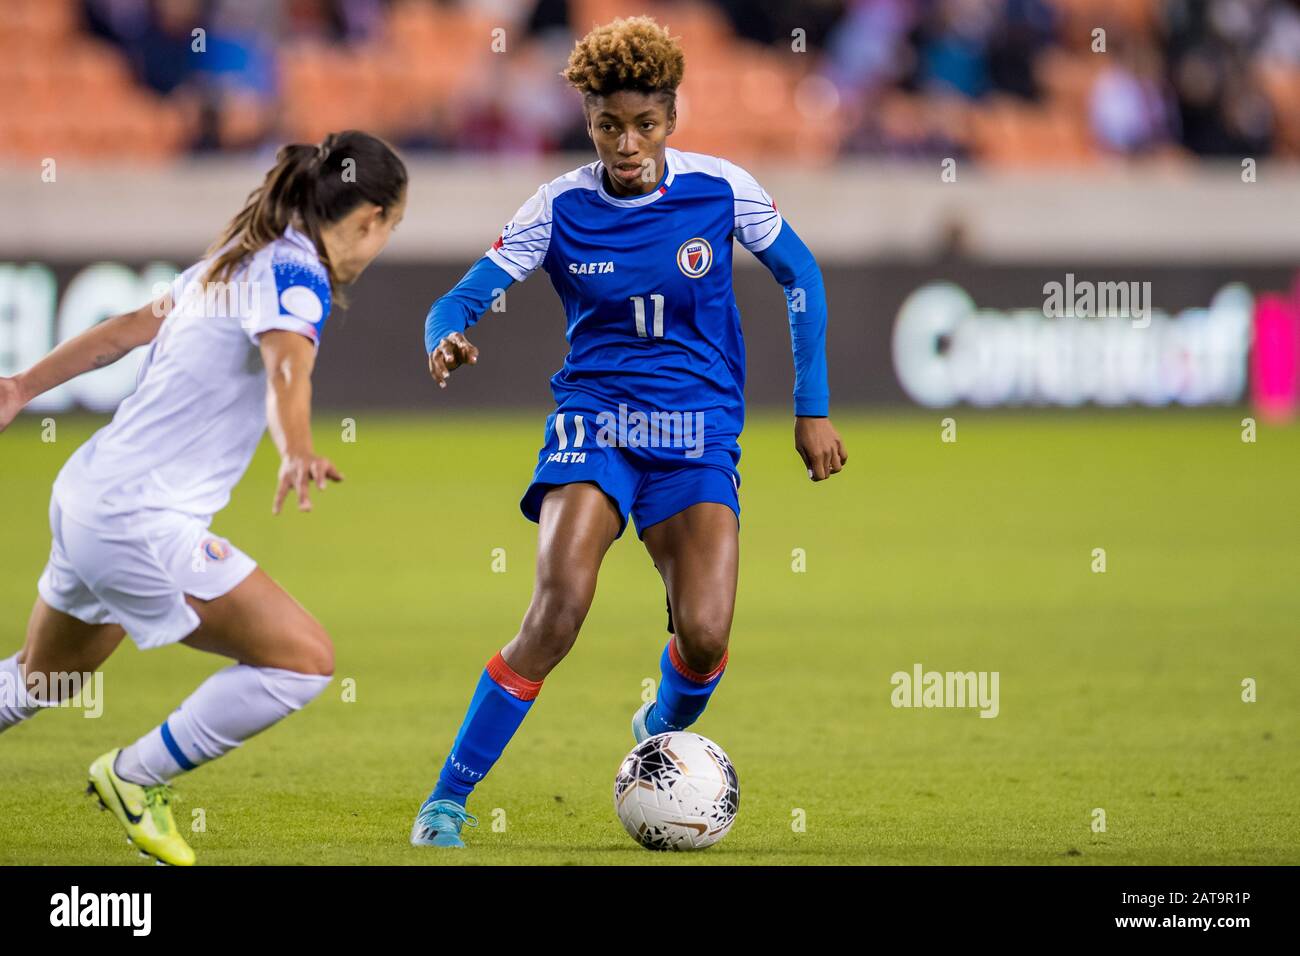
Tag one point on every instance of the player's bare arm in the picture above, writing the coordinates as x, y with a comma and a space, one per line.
289, 359
820, 447
452, 352
95, 348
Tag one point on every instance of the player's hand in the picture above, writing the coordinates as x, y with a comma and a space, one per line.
819, 445
297, 473
11, 401
452, 352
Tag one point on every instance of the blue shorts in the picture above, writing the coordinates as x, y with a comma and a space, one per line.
650, 485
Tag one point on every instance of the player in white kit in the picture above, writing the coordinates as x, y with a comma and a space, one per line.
233, 346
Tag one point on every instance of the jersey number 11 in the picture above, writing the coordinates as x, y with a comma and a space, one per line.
638, 307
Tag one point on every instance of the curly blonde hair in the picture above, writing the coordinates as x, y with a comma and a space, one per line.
635, 53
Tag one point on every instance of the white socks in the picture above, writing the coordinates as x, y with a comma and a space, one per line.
228, 708
16, 705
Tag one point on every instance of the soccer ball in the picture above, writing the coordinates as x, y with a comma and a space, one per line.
677, 791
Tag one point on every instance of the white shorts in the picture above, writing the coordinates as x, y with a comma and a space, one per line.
136, 570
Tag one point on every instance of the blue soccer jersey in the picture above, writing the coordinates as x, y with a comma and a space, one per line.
656, 364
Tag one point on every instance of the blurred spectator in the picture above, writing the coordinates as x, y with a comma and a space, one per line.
904, 127
237, 73
1281, 44
1247, 114
342, 21
521, 109
1131, 108
772, 22
953, 48
1027, 28
895, 78
1222, 111
155, 35
866, 49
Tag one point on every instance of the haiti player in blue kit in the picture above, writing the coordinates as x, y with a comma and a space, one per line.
650, 401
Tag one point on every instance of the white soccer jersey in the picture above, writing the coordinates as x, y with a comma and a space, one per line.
184, 438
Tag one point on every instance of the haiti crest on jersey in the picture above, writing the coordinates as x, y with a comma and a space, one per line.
694, 257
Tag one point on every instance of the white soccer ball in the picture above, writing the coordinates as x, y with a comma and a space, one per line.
677, 791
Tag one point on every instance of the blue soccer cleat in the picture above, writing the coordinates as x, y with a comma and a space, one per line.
639, 732
438, 824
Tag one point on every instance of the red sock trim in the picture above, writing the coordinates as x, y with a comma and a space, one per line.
512, 683
679, 665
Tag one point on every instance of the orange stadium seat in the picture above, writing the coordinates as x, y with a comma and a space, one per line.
70, 94
73, 98
1068, 78
1010, 133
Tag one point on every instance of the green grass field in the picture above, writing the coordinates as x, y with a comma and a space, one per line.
1120, 691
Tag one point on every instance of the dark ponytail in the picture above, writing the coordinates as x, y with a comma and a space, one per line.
310, 187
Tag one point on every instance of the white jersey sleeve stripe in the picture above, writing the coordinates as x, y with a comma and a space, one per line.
757, 222
523, 243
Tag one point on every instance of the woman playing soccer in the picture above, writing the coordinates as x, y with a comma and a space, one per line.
650, 401
233, 346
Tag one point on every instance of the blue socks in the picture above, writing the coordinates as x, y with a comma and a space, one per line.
498, 707
503, 698
683, 693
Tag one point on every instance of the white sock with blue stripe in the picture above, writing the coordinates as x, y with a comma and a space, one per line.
228, 708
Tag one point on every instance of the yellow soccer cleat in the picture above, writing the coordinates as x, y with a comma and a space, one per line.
145, 812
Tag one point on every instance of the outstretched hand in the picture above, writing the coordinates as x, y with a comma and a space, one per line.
452, 352
297, 472
820, 447
11, 401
